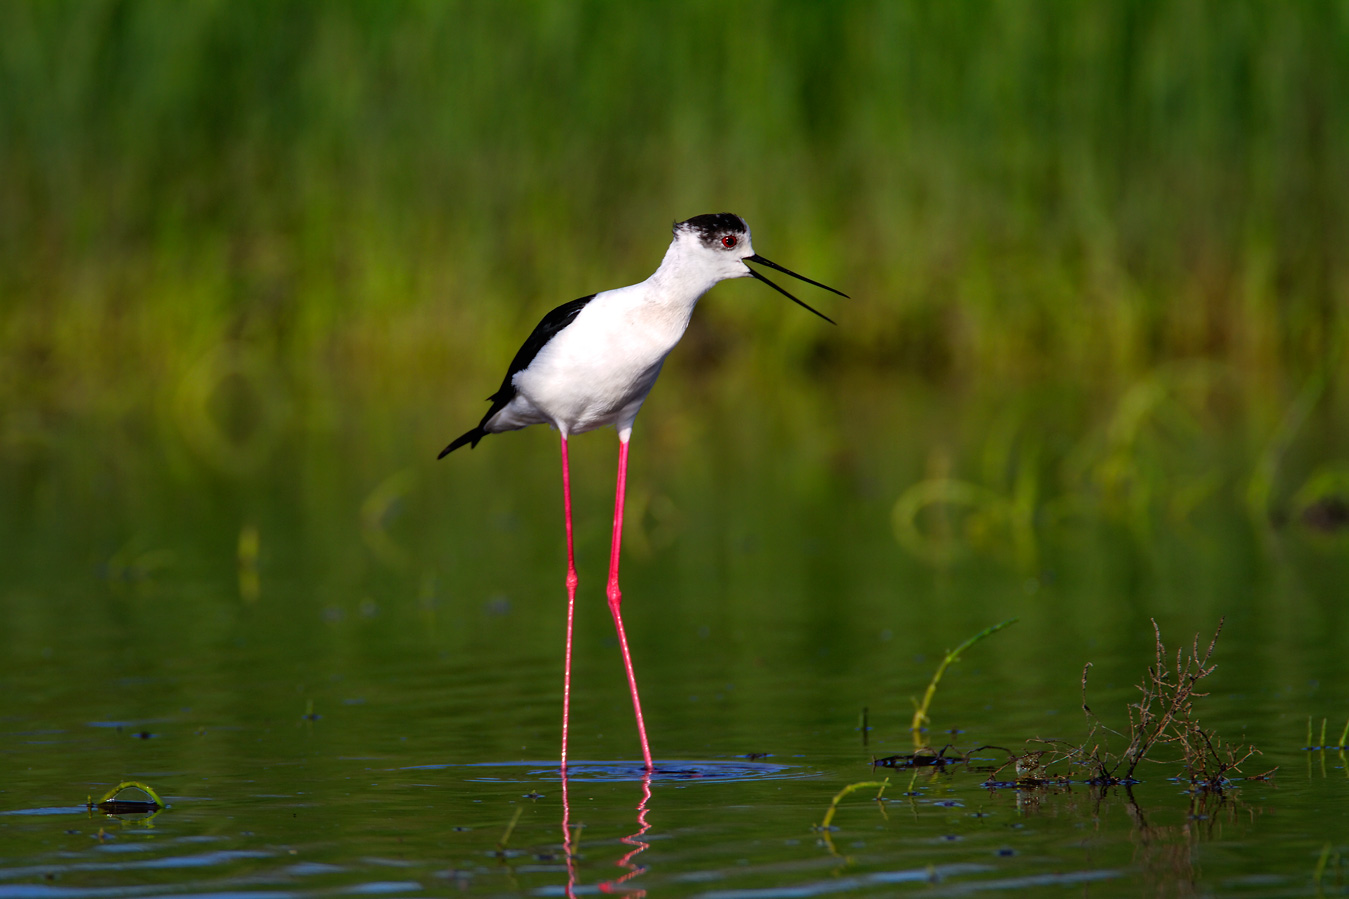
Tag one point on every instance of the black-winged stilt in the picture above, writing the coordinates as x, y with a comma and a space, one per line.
590, 363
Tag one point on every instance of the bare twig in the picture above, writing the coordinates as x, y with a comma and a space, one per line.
1163, 715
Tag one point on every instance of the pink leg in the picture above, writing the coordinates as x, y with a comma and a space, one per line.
572, 581
616, 597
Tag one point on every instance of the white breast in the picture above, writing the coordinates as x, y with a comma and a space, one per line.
599, 369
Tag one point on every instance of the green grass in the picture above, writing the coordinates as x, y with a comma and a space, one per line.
1019, 188
920, 709
230, 217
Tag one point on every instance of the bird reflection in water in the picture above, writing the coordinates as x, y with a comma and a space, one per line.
571, 848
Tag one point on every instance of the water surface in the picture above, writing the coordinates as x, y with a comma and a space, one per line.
341, 668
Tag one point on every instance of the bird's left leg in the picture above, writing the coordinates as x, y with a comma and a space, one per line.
571, 604
616, 596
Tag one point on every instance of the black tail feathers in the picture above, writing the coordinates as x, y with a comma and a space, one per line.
471, 438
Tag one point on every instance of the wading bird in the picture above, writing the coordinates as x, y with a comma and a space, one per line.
590, 364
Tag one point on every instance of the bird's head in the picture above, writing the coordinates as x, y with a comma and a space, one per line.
720, 242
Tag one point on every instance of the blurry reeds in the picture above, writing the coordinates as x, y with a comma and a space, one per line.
365, 194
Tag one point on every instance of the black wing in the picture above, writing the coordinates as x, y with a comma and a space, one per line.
543, 332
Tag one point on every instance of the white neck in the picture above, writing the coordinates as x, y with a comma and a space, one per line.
680, 281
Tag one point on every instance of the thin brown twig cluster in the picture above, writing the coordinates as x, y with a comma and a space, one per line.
1164, 717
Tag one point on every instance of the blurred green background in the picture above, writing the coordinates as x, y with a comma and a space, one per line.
396, 190
260, 260
1101, 244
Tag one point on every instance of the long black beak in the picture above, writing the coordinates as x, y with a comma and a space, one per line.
762, 261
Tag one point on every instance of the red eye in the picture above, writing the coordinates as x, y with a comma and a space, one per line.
729, 241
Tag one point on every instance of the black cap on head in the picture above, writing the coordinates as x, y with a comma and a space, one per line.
711, 226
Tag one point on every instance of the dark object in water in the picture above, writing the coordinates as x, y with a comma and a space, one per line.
128, 807
925, 758
1327, 515
111, 805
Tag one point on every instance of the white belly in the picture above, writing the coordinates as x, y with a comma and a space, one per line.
597, 371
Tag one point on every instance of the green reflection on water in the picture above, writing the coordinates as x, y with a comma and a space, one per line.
304, 655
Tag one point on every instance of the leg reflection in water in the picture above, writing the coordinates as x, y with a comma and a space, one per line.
571, 845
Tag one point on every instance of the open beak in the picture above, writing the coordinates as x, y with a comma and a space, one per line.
762, 261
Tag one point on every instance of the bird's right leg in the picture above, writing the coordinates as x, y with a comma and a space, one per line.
572, 581
616, 595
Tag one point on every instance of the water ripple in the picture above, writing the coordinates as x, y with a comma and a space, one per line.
722, 770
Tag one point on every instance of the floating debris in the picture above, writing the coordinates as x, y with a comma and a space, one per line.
111, 805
